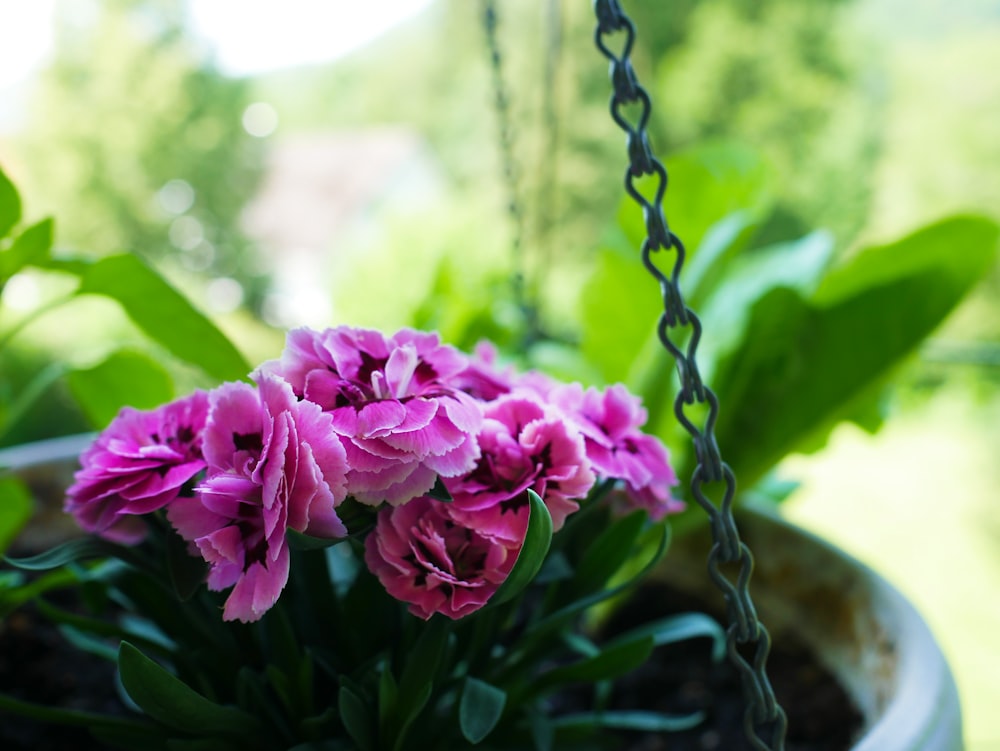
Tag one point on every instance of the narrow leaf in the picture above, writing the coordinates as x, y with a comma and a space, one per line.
537, 540
165, 315
650, 722
125, 378
74, 551
676, 628
169, 700
613, 661
357, 719
479, 709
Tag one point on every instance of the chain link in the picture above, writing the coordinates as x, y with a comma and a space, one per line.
764, 720
501, 104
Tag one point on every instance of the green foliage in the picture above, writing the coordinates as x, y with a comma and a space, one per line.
164, 315
436, 684
796, 340
130, 104
16, 506
122, 379
125, 376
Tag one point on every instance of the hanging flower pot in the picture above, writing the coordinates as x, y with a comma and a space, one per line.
860, 628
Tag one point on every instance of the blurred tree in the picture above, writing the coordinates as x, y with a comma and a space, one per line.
798, 82
135, 141
774, 73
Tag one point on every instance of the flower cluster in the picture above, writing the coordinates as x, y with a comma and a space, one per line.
387, 421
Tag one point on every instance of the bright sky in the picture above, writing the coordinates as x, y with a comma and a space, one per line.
250, 36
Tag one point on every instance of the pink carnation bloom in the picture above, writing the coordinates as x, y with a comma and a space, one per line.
436, 563
138, 464
610, 422
399, 415
524, 445
274, 464
482, 378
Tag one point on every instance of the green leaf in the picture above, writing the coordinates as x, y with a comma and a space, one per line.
608, 552
357, 719
537, 540
164, 314
30, 248
804, 365
10, 205
125, 378
439, 492
169, 700
614, 660
479, 709
648, 722
187, 572
74, 551
707, 183
16, 507
91, 720
424, 660
300, 541
959, 248
676, 628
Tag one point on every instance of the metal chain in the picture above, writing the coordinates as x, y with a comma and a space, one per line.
501, 103
764, 720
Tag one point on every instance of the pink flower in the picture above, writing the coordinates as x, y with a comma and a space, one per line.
610, 422
394, 403
138, 464
274, 464
434, 562
524, 445
482, 378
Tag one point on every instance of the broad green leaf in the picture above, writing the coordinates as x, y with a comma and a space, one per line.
357, 719
124, 378
612, 661
707, 183
798, 265
10, 205
648, 722
537, 540
479, 709
164, 315
169, 700
30, 248
960, 248
16, 507
803, 366
620, 309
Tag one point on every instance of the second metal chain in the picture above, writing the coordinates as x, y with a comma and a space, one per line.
765, 722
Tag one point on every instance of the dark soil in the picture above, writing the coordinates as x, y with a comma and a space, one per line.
681, 679
38, 665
